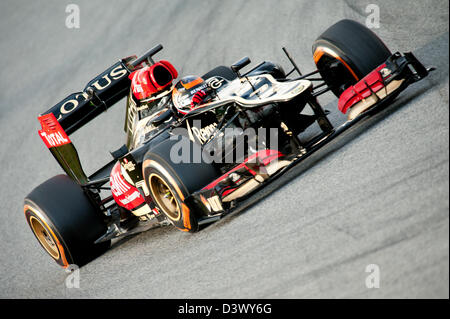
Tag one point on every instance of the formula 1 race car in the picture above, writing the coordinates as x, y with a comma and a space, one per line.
196, 147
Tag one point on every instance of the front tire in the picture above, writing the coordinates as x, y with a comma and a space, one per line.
346, 52
171, 183
65, 222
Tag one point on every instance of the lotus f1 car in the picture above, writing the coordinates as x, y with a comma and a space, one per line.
180, 164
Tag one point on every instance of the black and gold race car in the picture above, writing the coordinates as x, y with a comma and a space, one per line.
198, 146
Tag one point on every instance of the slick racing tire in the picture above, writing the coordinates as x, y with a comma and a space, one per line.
346, 52
222, 71
170, 183
65, 222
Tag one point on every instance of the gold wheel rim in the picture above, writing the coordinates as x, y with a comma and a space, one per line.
164, 197
45, 237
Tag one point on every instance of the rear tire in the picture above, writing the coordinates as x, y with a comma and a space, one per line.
65, 222
170, 183
353, 48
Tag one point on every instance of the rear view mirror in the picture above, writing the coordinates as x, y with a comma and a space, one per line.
240, 64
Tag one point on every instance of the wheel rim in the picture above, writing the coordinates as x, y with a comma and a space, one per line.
44, 237
339, 77
164, 197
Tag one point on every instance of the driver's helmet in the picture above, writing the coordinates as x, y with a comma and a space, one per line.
185, 90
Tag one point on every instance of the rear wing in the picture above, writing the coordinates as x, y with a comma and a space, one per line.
79, 108
102, 92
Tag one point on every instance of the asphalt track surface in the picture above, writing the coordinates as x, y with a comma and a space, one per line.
380, 197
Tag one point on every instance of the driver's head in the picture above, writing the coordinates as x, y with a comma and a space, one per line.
184, 91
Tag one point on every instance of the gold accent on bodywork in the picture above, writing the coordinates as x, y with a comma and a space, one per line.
366, 103
250, 185
144, 210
